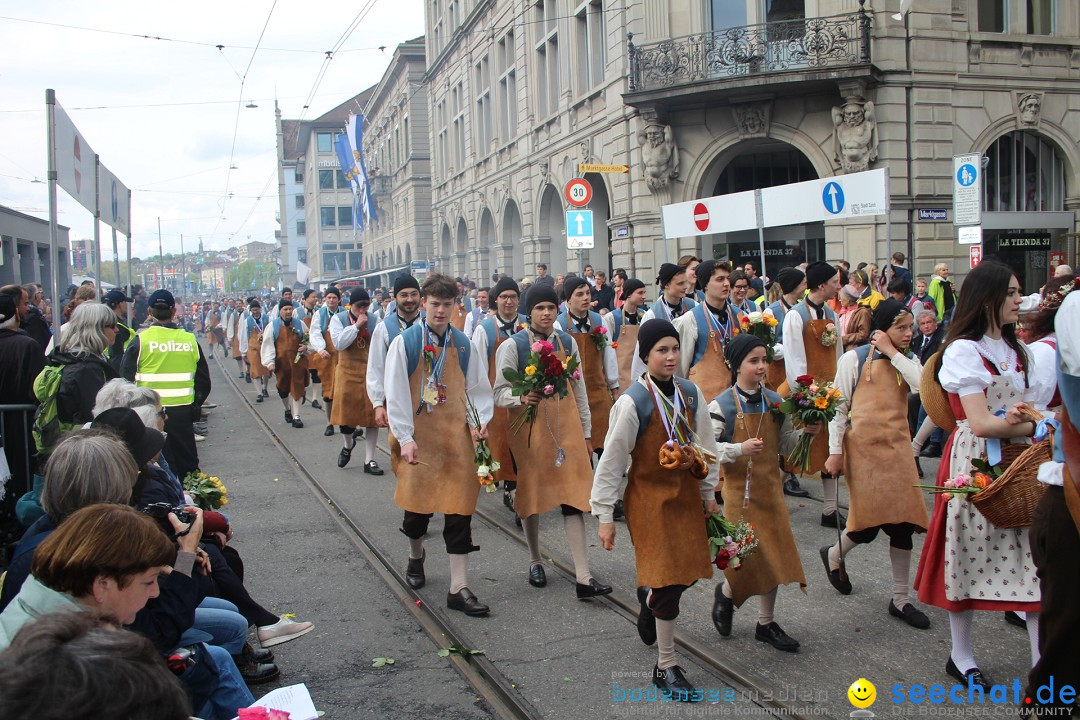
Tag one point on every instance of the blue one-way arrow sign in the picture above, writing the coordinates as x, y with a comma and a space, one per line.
833, 198
579, 230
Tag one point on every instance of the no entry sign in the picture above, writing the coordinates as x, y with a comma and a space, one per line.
701, 217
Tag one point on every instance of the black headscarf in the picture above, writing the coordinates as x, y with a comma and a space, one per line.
739, 347
667, 272
885, 314
653, 332
631, 286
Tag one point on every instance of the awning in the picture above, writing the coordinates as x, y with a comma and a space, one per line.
375, 273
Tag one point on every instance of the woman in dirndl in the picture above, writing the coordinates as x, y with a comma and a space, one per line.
967, 563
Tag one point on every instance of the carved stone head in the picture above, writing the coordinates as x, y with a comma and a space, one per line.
1029, 107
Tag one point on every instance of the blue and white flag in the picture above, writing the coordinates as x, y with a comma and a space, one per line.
345, 159
355, 131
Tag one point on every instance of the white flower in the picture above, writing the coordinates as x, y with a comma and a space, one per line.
768, 311
495, 466
756, 317
830, 326
483, 471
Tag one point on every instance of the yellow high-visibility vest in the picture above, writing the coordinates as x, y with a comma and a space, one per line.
167, 361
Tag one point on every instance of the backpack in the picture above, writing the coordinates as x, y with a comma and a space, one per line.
47, 427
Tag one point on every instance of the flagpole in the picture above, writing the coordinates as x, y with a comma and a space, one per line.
97, 223
54, 253
129, 288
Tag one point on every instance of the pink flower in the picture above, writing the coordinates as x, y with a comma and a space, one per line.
950, 484
577, 374
601, 330
813, 389
549, 389
545, 346
261, 713
536, 346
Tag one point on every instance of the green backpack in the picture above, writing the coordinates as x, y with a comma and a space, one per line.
47, 425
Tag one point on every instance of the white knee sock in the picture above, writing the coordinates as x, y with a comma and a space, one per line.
416, 548
766, 607
901, 569
828, 486
963, 654
459, 572
371, 438
295, 407
1033, 635
531, 526
925, 431
665, 643
350, 441
287, 402
840, 550
725, 587
575, 535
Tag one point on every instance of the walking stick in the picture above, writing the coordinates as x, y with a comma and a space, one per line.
842, 569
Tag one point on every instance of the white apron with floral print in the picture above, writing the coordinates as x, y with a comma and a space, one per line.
982, 561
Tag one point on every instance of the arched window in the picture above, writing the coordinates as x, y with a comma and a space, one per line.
1023, 174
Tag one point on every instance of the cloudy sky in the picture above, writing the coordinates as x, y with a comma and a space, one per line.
168, 116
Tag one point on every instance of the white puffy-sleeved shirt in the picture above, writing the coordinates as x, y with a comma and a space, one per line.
507, 357
847, 378
1045, 371
473, 320
794, 350
611, 361
399, 408
620, 442
1067, 330
963, 372
380, 345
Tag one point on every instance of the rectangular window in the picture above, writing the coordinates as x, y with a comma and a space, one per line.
327, 217
301, 228
407, 140
483, 107
991, 15
334, 262
458, 138
781, 10
325, 142
589, 25
508, 121
355, 260
299, 201
344, 216
326, 179
547, 58
726, 14
1040, 17
298, 177
442, 141
339, 178
397, 147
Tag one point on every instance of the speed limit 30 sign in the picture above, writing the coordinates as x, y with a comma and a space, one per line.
578, 192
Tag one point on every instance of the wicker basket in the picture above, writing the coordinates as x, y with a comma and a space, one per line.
1009, 501
934, 398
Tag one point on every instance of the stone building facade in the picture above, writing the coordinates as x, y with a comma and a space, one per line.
710, 97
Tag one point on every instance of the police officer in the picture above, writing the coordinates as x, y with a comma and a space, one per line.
169, 360
117, 300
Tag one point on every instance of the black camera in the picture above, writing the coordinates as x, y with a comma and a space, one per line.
160, 512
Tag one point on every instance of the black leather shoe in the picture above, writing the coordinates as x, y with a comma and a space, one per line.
793, 488
316, 405
537, 576
1013, 619
910, 614
974, 675
255, 673
372, 468
672, 682
931, 450
414, 573
265, 392
329, 431
508, 497
466, 602
723, 610
288, 417
260, 655
517, 521
259, 398
297, 422
775, 636
595, 588
358, 433
619, 512
247, 377
830, 520
918, 466
241, 375
646, 621
343, 457
842, 586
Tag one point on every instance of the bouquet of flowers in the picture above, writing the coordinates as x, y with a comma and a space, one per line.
206, 491
599, 337
961, 486
304, 340
809, 403
544, 373
762, 325
486, 464
829, 336
261, 713
730, 544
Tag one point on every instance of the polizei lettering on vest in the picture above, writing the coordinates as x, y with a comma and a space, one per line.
170, 346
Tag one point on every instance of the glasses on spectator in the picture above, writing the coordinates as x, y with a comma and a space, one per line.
161, 413
741, 286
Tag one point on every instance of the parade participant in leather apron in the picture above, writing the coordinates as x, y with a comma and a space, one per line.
551, 454
868, 442
792, 282
488, 336
623, 327
350, 333
750, 436
984, 369
405, 313
462, 306
812, 347
213, 329
251, 337
707, 329
429, 378
665, 508
675, 301
598, 362
315, 361
281, 346
237, 316
323, 347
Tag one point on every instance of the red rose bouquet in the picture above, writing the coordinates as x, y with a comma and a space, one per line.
730, 544
544, 373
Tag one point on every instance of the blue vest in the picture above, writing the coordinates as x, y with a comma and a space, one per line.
619, 315
804, 310
660, 308
702, 344
523, 343
595, 321
254, 325
644, 403
393, 326
296, 325
779, 311
325, 317
413, 338
490, 330
726, 401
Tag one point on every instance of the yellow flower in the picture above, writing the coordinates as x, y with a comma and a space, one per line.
821, 403
530, 370
224, 501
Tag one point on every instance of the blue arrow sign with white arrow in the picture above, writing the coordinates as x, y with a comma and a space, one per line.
833, 198
579, 230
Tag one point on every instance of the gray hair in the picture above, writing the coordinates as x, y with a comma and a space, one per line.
149, 415
925, 311
87, 467
121, 393
85, 331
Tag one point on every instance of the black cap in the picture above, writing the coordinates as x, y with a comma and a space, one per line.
359, 296
405, 282
540, 294
332, 290
571, 284
631, 286
504, 284
653, 332
283, 303
307, 292
886, 312
667, 272
739, 347
142, 442
116, 296
789, 279
818, 273
161, 299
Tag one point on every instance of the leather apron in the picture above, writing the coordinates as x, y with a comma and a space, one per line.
878, 464
254, 355
625, 354
711, 373
315, 362
234, 344
457, 317
821, 363
498, 433
541, 486
328, 367
446, 482
596, 386
665, 515
776, 561
352, 407
291, 377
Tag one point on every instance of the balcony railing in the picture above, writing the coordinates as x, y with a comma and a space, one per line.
790, 45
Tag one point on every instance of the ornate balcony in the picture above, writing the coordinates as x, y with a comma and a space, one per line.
825, 47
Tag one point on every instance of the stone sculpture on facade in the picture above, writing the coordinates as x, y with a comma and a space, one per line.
659, 155
752, 119
1029, 108
855, 136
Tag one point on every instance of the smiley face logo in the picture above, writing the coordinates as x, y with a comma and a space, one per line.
862, 693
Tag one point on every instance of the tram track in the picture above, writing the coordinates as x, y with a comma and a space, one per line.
478, 670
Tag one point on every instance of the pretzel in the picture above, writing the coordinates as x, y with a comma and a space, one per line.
687, 458
670, 456
700, 469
